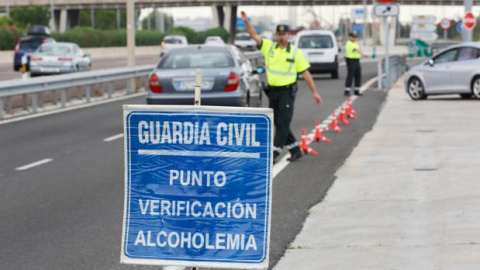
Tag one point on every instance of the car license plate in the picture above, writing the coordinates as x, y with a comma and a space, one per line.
190, 85
49, 69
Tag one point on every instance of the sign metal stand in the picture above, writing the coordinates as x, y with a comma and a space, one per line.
386, 9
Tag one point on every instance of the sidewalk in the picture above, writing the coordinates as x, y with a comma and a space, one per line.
407, 198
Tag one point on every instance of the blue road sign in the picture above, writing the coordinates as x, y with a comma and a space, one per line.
240, 24
459, 27
198, 186
357, 28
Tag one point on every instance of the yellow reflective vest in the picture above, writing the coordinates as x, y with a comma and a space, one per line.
282, 65
350, 50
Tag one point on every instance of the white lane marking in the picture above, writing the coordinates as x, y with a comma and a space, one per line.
109, 139
174, 268
34, 164
283, 163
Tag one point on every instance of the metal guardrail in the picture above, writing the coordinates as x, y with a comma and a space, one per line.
397, 66
35, 86
31, 89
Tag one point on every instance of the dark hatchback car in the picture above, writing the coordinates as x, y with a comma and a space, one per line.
228, 78
37, 36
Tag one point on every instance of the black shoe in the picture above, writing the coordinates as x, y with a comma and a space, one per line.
358, 93
346, 93
296, 154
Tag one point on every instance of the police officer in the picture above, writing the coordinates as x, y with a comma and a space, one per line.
353, 56
283, 63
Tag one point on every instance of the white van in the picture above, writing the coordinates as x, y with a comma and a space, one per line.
321, 50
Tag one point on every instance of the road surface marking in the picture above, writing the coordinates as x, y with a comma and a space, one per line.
34, 164
109, 139
282, 163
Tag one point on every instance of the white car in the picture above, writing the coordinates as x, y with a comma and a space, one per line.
244, 42
321, 49
214, 40
59, 58
455, 70
172, 41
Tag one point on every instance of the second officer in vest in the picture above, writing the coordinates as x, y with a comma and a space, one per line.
354, 69
283, 62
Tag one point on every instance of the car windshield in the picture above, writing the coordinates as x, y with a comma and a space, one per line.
30, 44
242, 37
196, 59
173, 41
55, 49
315, 42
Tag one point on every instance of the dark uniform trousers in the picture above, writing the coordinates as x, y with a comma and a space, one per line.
353, 71
281, 100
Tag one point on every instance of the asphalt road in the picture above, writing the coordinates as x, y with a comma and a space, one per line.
67, 213
7, 73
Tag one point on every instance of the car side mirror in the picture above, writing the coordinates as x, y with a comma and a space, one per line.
431, 62
87, 55
259, 70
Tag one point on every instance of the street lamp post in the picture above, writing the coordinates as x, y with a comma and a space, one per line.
53, 27
131, 42
467, 34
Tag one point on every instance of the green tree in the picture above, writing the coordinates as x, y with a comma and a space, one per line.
6, 21
27, 16
9, 36
105, 19
189, 33
167, 20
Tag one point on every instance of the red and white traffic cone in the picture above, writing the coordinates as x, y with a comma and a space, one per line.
304, 144
318, 134
342, 118
351, 113
334, 124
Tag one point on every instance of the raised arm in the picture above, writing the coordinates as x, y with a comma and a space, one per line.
253, 33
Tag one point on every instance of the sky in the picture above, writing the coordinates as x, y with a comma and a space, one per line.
328, 14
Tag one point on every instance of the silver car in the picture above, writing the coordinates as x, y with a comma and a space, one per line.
58, 58
455, 70
228, 78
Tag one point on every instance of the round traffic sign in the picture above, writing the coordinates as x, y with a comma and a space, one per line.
445, 24
469, 21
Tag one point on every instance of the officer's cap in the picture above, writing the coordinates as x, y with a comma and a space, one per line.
352, 34
282, 28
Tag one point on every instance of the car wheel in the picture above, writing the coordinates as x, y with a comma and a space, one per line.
476, 87
416, 91
335, 74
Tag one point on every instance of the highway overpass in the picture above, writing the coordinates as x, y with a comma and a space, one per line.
80, 4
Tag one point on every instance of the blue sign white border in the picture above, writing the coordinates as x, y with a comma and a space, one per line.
216, 110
